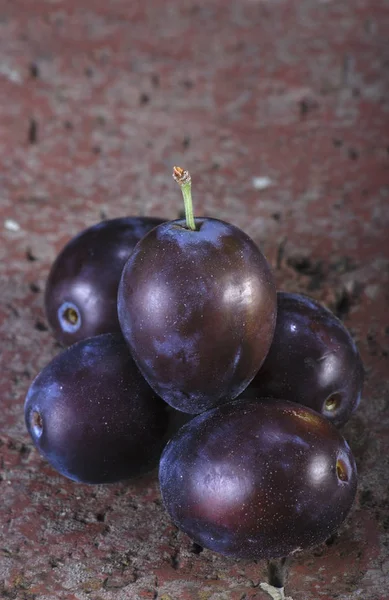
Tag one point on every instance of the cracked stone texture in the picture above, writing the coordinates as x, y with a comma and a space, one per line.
280, 109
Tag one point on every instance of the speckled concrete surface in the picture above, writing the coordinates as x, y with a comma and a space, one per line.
280, 109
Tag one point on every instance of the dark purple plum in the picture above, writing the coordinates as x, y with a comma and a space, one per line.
81, 290
258, 479
312, 359
92, 416
197, 308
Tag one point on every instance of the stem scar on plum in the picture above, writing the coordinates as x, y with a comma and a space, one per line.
332, 403
37, 423
342, 470
69, 317
184, 180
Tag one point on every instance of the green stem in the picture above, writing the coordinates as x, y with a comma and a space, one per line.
183, 179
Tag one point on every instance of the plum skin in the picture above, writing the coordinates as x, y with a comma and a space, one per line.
258, 479
312, 358
92, 416
81, 289
197, 309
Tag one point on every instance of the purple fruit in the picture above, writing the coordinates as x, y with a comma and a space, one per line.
258, 478
312, 359
81, 290
197, 308
92, 416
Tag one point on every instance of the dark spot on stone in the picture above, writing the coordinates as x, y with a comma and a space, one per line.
88, 72
54, 562
19, 447
342, 304
68, 125
34, 287
331, 540
30, 255
144, 99
34, 70
174, 560
13, 309
337, 142
305, 266
307, 105
353, 154
186, 142
40, 326
280, 253
100, 517
155, 80
33, 131
301, 264
196, 548
366, 498
372, 344
304, 108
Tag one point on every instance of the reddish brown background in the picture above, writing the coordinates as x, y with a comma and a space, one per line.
98, 99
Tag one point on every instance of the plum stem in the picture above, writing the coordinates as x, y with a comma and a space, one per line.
277, 571
275, 593
184, 180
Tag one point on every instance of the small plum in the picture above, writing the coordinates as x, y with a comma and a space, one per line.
81, 290
312, 360
92, 416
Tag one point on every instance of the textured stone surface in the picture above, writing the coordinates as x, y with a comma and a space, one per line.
280, 110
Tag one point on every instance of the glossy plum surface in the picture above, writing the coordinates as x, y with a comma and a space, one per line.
198, 310
258, 479
91, 414
312, 358
81, 290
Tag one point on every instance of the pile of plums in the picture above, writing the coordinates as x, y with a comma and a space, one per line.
167, 319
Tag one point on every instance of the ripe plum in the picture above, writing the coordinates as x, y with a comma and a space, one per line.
92, 416
81, 290
312, 359
197, 308
258, 478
